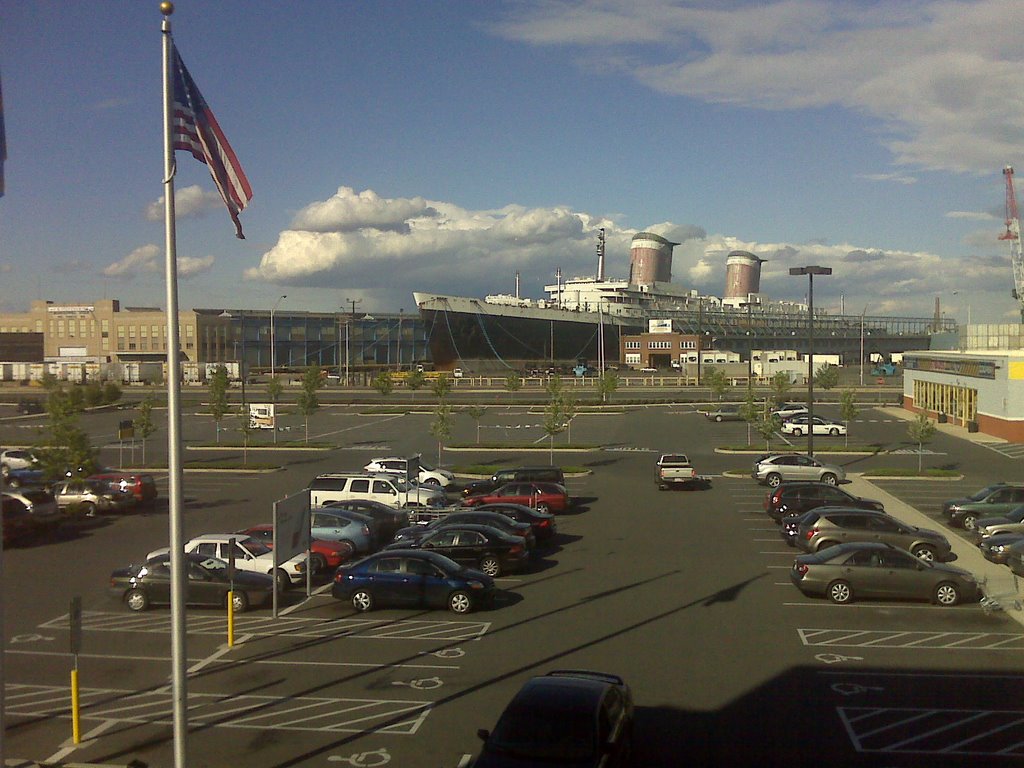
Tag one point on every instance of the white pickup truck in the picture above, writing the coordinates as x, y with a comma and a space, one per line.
675, 469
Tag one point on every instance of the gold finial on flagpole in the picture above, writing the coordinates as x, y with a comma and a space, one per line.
166, 8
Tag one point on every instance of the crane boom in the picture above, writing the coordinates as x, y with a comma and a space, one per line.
1012, 235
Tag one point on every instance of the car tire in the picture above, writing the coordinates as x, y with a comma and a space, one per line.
925, 552
239, 602
460, 602
829, 479
946, 594
797, 432
969, 522
362, 600
718, 418
839, 592
490, 565
136, 600
351, 544
834, 432
317, 563
432, 481
542, 507
773, 480
283, 582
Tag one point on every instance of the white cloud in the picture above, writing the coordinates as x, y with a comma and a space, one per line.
971, 215
347, 210
191, 201
940, 77
145, 258
190, 266
898, 178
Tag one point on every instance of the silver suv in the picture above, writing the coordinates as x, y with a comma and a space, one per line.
91, 497
773, 468
827, 526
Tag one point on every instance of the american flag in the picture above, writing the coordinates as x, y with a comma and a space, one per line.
196, 131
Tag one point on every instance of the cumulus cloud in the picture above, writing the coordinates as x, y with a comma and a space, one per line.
189, 202
190, 266
939, 78
898, 178
143, 259
347, 211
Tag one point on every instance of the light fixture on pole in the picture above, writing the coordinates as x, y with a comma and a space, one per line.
810, 272
750, 347
862, 313
273, 350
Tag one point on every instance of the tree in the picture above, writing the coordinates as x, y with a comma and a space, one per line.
441, 426
847, 410
441, 387
274, 389
92, 394
308, 401
717, 381
780, 384
607, 383
476, 413
827, 377
111, 392
921, 431
767, 425
64, 446
750, 412
513, 383
383, 383
554, 423
219, 396
244, 426
144, 423
569, 410
414, 381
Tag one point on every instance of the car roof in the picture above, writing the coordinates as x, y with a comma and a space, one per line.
479, 527
223, 537
560, 689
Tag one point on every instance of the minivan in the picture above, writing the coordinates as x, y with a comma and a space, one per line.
387, 489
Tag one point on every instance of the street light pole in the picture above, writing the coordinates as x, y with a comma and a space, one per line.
862, 313
810, 272
273, 350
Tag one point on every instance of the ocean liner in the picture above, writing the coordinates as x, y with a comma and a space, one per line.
582, 315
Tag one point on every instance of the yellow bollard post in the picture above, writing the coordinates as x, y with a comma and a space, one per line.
231, 620
76, 730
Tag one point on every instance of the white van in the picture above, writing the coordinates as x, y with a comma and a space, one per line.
387, 489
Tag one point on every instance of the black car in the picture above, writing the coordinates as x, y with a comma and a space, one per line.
476, 546
389, 519
543, 523
207, 583
519, 474
566, 717
494, 519
412, 578
795, 498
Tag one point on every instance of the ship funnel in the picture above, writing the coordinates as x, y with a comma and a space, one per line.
742, 275
650, 259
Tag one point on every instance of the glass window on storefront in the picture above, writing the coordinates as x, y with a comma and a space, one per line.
960, 404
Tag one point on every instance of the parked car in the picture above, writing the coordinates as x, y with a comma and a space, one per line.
802, 423
15, 458
426, 474
18, 478
324, 555
91, 497
992, 500
544, 524
250, 555
872, 569
997, 548
385, 488
564, 718
771, 469
30, 405
389, 519
475, 546
828, 526
1011, 522
412, 578
18, 525
475, 516
795, 498
38, 503
789, 527
142, 486
521, 474
338, 525
789, 410
207, 583
1014, 558
724, 412
547, 497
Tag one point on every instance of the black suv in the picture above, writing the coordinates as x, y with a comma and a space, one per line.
519, 474
795, 498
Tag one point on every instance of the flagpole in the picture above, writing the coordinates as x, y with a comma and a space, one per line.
179, 658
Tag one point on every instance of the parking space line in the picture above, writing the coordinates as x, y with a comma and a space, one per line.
926, 726
911, 639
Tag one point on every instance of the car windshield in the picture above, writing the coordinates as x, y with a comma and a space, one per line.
256, 547
984, 492
537, 733
400, 483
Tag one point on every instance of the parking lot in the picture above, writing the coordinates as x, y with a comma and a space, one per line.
685, 594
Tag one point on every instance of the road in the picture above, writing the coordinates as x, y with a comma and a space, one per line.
685, 594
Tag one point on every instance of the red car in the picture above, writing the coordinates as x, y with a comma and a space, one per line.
544, 497
142, 487
323, 554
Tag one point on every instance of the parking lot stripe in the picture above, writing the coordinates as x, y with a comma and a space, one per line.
911, 639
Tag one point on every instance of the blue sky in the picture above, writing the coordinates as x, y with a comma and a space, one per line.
401, 146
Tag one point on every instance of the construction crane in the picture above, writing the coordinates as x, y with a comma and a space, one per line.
1012, 234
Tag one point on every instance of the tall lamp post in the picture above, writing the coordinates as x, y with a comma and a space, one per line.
810, 272
750, 349
273, 347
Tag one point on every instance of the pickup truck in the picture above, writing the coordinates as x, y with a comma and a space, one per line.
675, 469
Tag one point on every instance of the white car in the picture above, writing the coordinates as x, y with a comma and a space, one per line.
17, 459
250, 555
428, 475
789, 410
798, 426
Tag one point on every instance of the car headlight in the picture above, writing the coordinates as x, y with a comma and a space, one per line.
475, 584
997, 548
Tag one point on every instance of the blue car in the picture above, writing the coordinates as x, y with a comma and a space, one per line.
341, 526
405, 578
